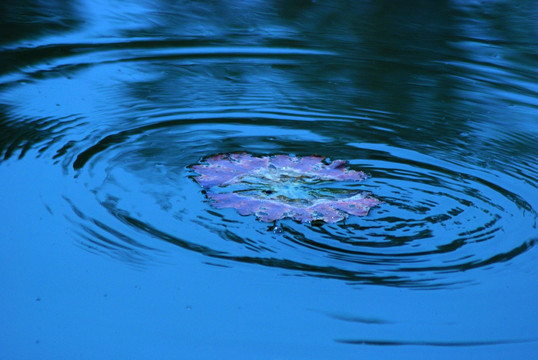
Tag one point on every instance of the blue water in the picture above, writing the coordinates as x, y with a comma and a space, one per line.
109, 248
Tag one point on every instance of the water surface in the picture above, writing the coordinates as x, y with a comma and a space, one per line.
109, 247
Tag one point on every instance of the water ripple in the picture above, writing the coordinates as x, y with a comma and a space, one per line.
455, 205
37, 61
440, 223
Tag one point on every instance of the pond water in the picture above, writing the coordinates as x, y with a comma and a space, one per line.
111, 249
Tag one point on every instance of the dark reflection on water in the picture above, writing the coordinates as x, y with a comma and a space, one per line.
33, 19
435, 100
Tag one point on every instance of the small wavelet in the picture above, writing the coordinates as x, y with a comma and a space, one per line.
438, 343
20, 135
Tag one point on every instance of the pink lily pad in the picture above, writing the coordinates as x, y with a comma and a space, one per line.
304, 189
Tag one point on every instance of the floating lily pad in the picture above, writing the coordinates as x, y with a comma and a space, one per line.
275, 187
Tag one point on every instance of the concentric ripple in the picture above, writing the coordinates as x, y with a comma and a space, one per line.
128, 178
441, 223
